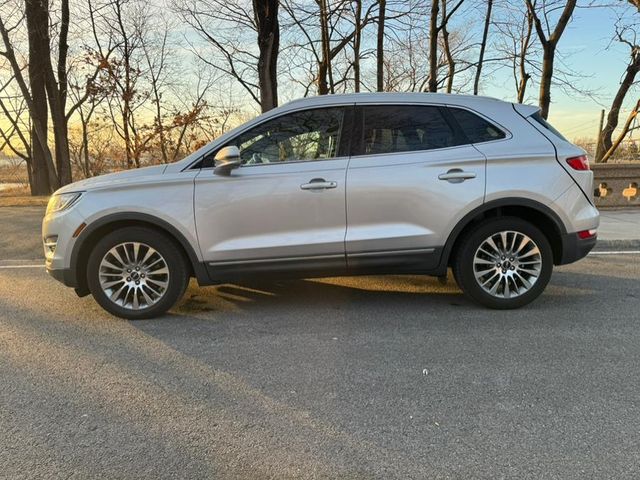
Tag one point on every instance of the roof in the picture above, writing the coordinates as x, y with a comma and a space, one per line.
392, 97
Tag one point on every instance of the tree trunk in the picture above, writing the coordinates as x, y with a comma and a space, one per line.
623, 133
44, 179
356, 45
451, 63
433, 47
483, 46
85, 144
57, 93
60, 130
522, 58
548, 57
380, 46
324, 66
605, 142
549, 45
128, 90
522, 86
266, 15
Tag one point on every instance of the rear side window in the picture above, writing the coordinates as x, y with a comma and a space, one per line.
541, 121
401, 128
475, 128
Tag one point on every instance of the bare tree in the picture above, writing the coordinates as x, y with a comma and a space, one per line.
357, 43
605, 142
15, 137
380, 45
626, 128
57, 95
438, 23
268, 29
549, 40
229, 27
516, 45
483, 46
337, 29
44, 177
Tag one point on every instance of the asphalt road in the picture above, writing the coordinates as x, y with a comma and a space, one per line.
372, 377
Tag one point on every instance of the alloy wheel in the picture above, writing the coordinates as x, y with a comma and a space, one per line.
507, 264
133, 275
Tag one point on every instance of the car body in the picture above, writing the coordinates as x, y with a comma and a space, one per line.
368, 183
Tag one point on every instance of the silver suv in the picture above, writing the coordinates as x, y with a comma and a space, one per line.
336, 185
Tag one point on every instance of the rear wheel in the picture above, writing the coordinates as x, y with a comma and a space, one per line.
503, 263
137, 273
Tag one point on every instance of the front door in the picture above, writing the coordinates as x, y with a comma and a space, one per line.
284, 207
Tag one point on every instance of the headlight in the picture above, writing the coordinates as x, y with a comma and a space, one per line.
61, 201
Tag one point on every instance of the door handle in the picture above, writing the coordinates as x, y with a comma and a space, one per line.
456, 175
318, 184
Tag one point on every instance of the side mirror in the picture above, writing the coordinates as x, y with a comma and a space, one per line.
226, 160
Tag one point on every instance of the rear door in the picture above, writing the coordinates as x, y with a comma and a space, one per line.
410, 179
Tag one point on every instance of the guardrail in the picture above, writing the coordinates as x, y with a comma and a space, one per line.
616, 185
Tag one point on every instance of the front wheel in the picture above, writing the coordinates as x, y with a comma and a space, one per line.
503, 263
136, 273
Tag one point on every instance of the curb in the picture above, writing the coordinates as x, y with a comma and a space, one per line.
617, 245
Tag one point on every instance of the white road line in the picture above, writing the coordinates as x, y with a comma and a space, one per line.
621, 252
21, 266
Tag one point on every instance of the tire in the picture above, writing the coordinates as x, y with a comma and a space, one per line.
162, 273
503, 277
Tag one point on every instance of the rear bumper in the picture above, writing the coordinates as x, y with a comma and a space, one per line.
574, 248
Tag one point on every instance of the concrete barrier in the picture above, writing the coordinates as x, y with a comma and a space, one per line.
616, 184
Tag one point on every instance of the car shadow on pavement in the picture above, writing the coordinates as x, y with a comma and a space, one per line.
363, 303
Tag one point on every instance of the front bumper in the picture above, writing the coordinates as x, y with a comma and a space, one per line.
68, 277
58, 242
64, 275
574, 248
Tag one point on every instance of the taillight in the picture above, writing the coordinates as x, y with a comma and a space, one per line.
579, 163
584, 234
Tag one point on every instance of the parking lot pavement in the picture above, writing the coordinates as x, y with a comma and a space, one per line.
620, 228
370, 377
20, 233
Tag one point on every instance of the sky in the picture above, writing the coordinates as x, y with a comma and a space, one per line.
584, 44
588, 50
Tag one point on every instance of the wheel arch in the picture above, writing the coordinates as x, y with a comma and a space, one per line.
532, 211
95, 230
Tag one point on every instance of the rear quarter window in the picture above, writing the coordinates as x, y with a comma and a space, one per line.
476, 128
539, 119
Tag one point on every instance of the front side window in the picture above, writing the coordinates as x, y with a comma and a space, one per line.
476, 128
299, 136
402, 128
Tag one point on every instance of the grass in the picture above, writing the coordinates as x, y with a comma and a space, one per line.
21, 197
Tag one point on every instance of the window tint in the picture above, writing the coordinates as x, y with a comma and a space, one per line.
476, 128
540, 119
307, 135
401, 128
